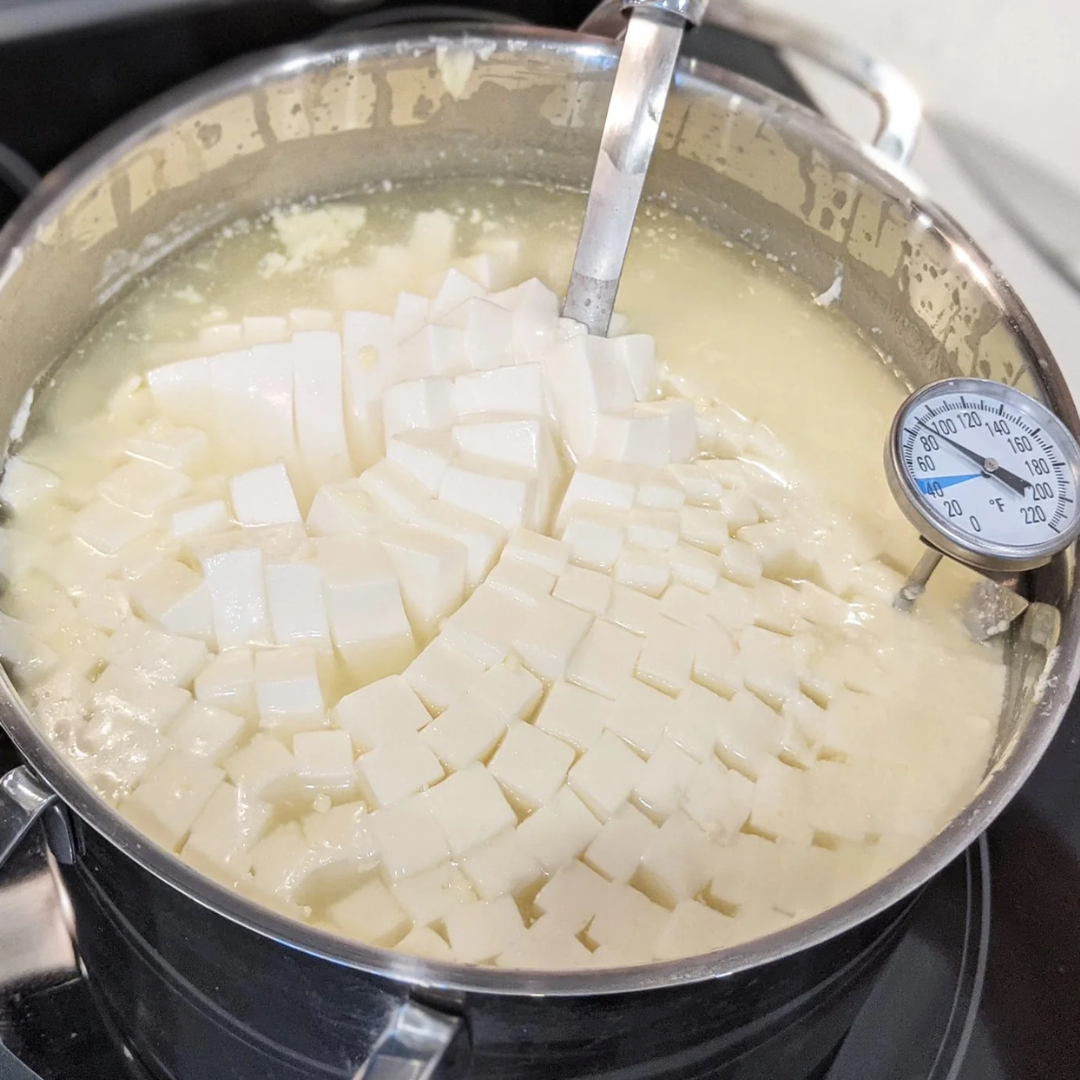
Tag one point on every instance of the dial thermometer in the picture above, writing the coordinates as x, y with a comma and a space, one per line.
988, 475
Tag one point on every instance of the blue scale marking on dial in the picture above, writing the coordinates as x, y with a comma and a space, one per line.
925, 483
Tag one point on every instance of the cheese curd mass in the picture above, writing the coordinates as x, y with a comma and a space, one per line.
346, 569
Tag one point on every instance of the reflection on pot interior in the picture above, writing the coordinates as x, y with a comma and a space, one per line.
347, 570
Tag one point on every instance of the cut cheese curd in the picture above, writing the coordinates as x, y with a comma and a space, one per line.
403, 605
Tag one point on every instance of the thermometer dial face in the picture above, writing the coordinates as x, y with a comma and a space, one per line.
987, 474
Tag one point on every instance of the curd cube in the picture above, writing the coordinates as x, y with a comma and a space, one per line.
198, 516
468, 731
605, 659
392, 489
368, 624
639, 715
482, 930
642, 570
747, 733
430, 896
548, 637
616, 850
24, 483
237, 596
471, 808
661, 788
345, 506
226, 829
369, 360
171, 796
559, 831
371, 914
482, 539
509, 689
264, 496
181, 390
108, 528
418, 403
573, 896
408, 838
158, 657
667, 657
544, 552
547, 945
605, 775
691, 725
677, 863
262, 768
341, 833
573, 714
520, 580
503, 866
397, 769
424, 455
319, 405
228, 682
176, 598
780, 798
206, 732
586, 589
424, 942
500, 492
595, 535
144, 487
287, 689
531, 765
430, 571
719, 800
484, 625
294, 598
693, 929
517, 390
324, 759
632, 610
380, 712
120, 691
441, 675
627, 920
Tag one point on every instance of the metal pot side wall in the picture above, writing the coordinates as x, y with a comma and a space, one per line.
195, 995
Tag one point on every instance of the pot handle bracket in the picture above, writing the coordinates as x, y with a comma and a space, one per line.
23, 799
899, 107
412, 1044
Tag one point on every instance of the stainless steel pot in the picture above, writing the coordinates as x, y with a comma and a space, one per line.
202, 982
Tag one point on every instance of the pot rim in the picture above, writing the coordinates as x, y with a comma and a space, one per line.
93, 159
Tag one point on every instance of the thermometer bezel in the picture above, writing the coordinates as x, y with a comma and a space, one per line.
986, 555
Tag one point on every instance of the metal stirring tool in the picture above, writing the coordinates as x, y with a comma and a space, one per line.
651, 44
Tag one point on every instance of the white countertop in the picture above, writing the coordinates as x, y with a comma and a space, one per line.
1007, 66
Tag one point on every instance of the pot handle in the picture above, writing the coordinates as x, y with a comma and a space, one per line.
897, 100
23, 799
412, 1044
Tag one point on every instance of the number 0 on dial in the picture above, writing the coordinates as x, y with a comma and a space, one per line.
988, 475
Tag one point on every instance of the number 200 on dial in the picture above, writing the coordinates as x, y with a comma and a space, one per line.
987, 474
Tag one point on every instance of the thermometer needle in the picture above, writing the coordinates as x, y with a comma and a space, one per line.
988, 465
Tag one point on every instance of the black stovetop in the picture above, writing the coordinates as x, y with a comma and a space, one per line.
985, 984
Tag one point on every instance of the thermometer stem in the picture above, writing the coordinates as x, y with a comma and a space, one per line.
915, 585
